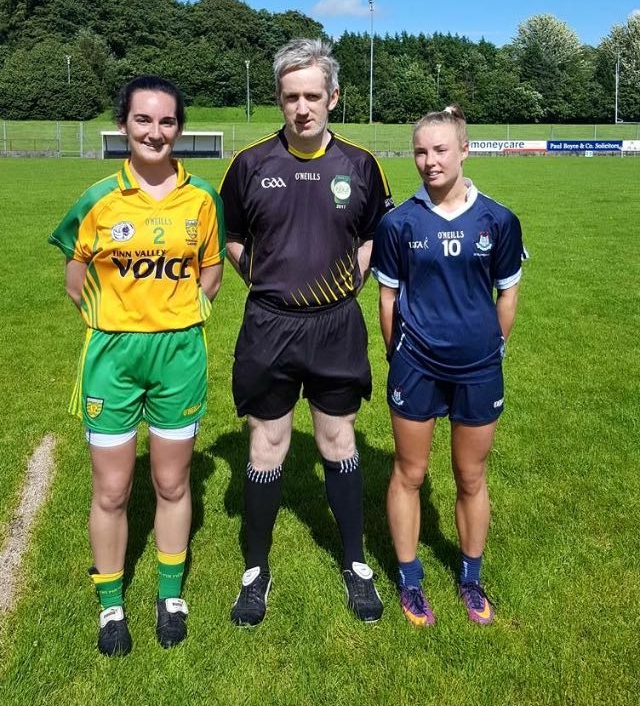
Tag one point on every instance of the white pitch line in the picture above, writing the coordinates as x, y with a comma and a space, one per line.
34, 493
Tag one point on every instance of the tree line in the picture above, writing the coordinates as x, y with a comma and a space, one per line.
66, 59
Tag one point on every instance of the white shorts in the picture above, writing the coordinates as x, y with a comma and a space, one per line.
107, 441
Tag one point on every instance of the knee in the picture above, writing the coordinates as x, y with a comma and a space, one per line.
471, 484
336, 449
337, 443
267, 456
408, 476
267, 453
171, 490
111, 500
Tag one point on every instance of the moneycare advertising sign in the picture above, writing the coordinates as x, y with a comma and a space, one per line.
508, 146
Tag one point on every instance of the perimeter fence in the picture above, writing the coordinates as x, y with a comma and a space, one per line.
83, 139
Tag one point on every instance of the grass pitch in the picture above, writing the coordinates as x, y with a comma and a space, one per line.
561, 558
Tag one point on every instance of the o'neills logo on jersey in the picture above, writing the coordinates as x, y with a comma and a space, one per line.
484, 243
142, 264
122, 231
191, 226
307, 176
341, 190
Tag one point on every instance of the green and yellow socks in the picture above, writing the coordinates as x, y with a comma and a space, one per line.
170, 574
109, 587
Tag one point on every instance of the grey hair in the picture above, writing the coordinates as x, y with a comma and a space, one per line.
302, 53
451, 115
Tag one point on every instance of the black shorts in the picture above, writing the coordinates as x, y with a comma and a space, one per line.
279, 352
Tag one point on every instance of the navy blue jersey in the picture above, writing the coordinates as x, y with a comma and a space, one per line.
445, 266
302, 217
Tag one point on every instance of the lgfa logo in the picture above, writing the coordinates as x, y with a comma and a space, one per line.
122, 231
419, 244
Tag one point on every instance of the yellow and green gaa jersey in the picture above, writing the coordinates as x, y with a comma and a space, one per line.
144, 256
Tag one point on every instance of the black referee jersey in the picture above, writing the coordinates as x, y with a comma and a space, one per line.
301, 218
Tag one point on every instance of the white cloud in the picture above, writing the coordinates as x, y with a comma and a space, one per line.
634, 13
336, 8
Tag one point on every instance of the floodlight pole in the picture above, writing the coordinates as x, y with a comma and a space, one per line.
438, 67
615, 116
247, 64
68, 58
371, 67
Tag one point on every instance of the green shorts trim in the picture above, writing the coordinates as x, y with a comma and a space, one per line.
126, 377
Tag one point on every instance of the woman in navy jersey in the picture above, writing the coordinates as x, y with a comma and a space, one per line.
438, 258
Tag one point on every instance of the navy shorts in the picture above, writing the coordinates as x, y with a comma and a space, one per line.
323, 353
414, 394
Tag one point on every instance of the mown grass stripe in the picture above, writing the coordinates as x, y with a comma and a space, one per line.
34, 492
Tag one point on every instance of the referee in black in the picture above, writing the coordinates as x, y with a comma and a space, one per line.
301, 209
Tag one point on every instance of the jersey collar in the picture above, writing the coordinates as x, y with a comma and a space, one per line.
472, 194
306, 155
128, 182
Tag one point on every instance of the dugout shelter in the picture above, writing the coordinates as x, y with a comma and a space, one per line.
190, 144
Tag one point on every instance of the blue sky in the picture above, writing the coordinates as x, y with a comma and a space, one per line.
497, 21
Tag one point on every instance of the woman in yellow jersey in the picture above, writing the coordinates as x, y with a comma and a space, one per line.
145, 250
